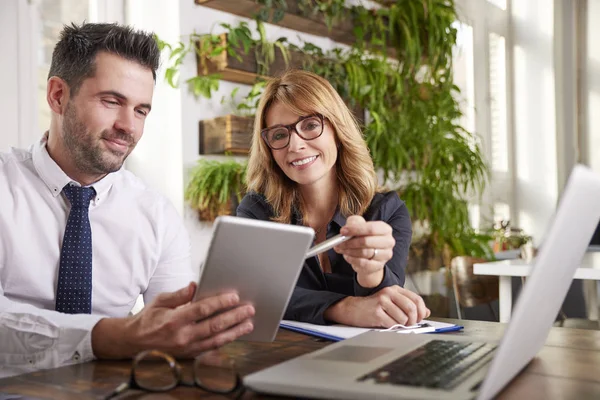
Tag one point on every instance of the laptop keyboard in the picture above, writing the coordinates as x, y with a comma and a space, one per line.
439, 364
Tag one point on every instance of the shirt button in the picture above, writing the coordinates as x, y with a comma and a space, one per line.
76, 356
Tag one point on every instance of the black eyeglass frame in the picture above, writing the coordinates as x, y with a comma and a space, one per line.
292, 127
176, 369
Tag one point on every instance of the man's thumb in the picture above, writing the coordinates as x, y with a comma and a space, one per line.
177, 298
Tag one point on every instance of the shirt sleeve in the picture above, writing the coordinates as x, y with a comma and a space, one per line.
174, 269
32, 339
254, 207
394, 272
309, 305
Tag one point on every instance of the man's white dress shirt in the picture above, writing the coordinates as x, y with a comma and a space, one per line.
140, 246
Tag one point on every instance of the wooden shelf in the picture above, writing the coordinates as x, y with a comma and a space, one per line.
230, 133
293, 18
386, 3
341, 32
245, 70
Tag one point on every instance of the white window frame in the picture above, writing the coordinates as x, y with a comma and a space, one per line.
27, 78
569, 57
28, 45
486, 18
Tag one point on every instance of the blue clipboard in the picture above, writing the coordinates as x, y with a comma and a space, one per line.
312, 333
333, 338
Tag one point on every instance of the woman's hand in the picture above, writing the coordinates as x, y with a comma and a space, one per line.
389, 306
371, 246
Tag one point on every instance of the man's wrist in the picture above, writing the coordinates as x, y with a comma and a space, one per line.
111, 340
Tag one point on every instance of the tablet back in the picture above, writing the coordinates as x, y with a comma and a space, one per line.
260, 260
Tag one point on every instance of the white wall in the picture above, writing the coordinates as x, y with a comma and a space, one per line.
18, 78
157, 158
8, 72
19, 116
534, 111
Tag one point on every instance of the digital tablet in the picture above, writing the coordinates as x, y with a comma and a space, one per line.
261, 260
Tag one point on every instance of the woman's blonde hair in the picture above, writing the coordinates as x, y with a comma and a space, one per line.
305, 93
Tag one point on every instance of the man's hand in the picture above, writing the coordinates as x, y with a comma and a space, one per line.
173, 324
389, 306
371, 246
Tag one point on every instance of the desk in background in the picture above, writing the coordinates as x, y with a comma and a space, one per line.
505, 270
566, 368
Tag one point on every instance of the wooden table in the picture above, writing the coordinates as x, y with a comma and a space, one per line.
567, 367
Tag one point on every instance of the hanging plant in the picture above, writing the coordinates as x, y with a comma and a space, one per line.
333, 10
200, 85
236, 42
271, 11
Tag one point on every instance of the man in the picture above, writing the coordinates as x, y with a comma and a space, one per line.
69, 212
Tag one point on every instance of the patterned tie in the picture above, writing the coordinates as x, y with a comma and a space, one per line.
74, 290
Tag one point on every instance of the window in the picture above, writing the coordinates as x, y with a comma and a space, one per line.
498, 117
481, 73
501, 212
475, 215
463, 74
501, 4
52, 16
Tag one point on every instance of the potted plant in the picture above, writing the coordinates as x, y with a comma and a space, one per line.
507, 237
216, 187
236, 55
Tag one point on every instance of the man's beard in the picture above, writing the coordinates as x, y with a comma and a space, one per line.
85, 149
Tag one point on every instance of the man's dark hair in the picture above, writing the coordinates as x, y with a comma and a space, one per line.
73, 59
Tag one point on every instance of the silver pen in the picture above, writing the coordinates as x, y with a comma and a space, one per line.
326, 245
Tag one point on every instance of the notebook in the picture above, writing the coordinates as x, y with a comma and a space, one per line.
339, 332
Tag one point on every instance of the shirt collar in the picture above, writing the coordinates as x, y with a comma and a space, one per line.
56, 179
338, 217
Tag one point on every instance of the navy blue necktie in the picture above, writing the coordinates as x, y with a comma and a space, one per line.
74, 289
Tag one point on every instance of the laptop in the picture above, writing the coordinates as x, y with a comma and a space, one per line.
385, 365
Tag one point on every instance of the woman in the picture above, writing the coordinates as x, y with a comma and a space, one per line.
310, 165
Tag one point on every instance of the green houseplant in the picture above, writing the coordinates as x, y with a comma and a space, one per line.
237, 42
216, 187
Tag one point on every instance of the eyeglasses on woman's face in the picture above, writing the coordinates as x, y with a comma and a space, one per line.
309, 127
155, 371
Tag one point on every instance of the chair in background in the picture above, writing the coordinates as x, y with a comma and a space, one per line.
577, 323
469, 289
